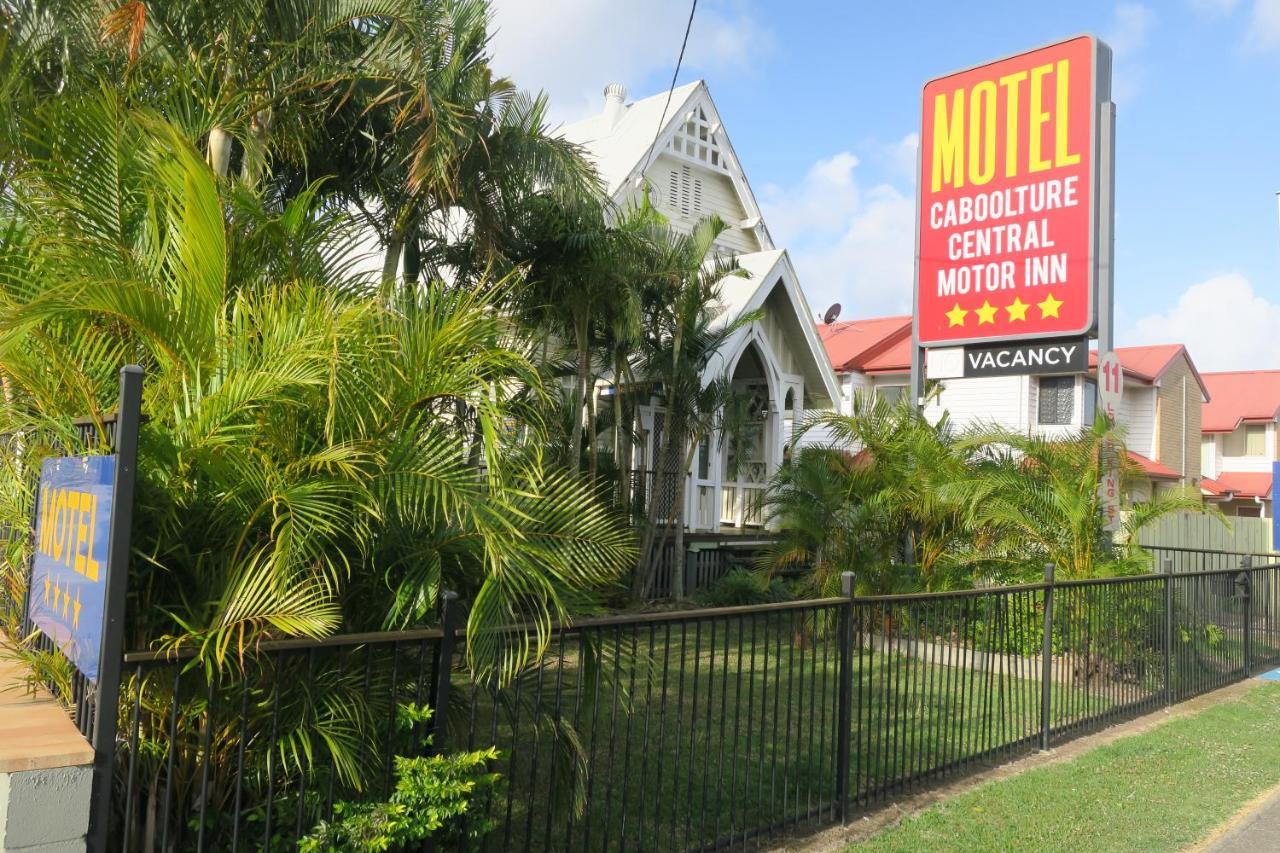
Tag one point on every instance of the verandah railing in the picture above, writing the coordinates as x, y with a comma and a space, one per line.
683, 730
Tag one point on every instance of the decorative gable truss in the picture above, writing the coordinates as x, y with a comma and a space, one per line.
695, 139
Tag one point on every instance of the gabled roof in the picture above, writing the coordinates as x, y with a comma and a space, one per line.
624, 146
854, 344
1149, 364
619, 147
767, 271
1240, 396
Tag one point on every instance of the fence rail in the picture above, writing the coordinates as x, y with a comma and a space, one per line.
686, 730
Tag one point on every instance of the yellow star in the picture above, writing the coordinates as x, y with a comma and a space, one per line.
987, 313
1049, 307
66, 604
1017, 309
75, 612
57, 597
956, 315
47, 584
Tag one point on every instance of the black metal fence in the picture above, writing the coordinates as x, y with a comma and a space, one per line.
685, 730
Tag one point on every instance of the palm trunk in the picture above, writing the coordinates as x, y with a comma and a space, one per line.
579, 391
674, 526
593, 462
619, 462
412, 259
219, 154
391, 260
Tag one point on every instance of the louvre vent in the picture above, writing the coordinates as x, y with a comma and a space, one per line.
684, 190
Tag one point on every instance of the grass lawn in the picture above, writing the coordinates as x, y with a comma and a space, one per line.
1155, 791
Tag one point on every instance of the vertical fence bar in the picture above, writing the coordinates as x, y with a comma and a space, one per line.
111, 650
1168, 631
1246, 590
1046, 661
844, 716
444, 667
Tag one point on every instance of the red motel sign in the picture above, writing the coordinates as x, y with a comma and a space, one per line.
1009, 197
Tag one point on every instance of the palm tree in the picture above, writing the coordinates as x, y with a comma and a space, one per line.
309, 459
1039, 498
901, 529
683, 332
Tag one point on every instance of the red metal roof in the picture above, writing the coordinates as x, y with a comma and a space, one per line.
1214, 487
1238, 396
1252, 485
1153, 469
852, 344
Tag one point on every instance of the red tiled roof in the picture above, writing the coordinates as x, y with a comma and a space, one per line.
851, 344
1252, 485
1152, 468
1238, 396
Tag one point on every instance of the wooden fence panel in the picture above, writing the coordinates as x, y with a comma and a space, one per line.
1194, 530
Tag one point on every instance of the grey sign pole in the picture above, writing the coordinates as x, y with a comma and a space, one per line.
1106, 232
916, 386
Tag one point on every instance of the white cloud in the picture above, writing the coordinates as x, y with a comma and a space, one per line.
1213, 7
850, 245
1224, 322
573, 48
1264, 25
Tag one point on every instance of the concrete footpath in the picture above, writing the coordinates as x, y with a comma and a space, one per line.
1255, 831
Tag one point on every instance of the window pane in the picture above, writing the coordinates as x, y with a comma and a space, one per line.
891, 394
1255, 440
1057, 399
1233, 443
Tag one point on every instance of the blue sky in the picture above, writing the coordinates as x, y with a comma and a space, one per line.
822, 103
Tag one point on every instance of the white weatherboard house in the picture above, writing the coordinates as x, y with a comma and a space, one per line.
692, 171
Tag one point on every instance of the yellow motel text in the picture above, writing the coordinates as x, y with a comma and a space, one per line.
68, 519
969, 149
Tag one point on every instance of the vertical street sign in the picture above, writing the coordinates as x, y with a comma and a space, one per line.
74, 509
1110, 384
1013, 224
1110, 393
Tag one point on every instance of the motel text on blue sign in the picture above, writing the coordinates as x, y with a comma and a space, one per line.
69, 572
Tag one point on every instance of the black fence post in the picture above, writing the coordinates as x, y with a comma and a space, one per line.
444, 667
106, 704
844, 716
1046, 661
1245, 582
1168, 631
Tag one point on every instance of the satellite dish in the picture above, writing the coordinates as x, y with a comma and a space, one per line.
832, 313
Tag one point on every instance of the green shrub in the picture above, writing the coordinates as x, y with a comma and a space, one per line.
742, 587
433, 798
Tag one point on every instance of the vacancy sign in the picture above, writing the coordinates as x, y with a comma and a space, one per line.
1008, 197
